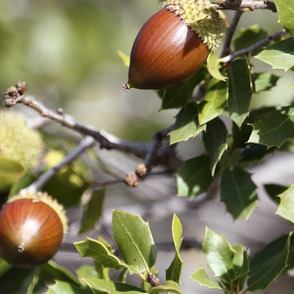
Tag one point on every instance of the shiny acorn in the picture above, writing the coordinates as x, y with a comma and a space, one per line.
174, 44
32, 227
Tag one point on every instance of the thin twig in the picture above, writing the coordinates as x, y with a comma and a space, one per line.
230, 32
246, 4
46, 176
249, 49
165, 156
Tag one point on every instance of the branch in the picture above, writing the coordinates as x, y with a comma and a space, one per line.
246, 4
46, 176
249, 49
231, 31
153, 153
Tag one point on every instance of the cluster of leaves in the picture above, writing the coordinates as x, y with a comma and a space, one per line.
230, 264
253, 135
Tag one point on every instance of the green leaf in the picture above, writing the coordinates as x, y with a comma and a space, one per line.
213, 66
268, 264
52, 271
286, 207
194, 176
134, 239
240, 135
101, 254
274, 190
214, 102
219, 254
203, 279
175, 269
168, 286
238, 192
24, 181
93, 211
280, 55
264, 81
215, 141
187, 125
124, 58
104, 286
240, 91
87, 271
62, 287
10, 172
275, 128
286, 15
249, 36
241, 266
179, 95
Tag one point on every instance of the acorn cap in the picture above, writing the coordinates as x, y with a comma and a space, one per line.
202, 17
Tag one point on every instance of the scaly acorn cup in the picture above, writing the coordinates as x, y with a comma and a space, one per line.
32, 227
174, 43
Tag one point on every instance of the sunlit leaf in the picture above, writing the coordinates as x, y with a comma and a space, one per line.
175, 269
64, 287
134, 239
264, 81
286, 15
213, 66
275, 128
187, 124
279, 55
214, 102
286, 206
168, 286
203, 279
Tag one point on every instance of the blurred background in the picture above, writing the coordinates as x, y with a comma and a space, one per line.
66, 51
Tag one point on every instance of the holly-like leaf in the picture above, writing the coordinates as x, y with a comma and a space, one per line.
215, 141
213, 66
100, 253
214, 102
64, 287
241, 266
134, 239
179, 95
286, 207
264, 81
286, 15
104, 286
194, 176
203, 279
274, 190
167, 287
175, 269
187, 124
238, 192
275, 128
268, 264
279, 55
240, 90
219, 255
249, 36
93, 210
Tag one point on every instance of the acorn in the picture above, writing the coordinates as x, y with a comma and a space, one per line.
32, 227
174, 44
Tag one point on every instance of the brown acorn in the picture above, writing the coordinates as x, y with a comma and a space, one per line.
32, 227
173, 44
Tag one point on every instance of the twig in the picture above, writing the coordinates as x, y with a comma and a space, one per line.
164, 156
46, 176
246, 4
260, 43
231, 31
